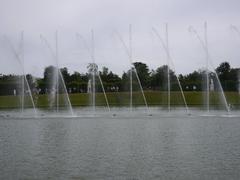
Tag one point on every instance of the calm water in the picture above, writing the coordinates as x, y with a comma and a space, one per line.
127, 146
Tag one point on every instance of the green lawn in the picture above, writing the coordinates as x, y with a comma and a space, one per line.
153, 98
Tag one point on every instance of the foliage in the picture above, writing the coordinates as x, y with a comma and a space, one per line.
150, 80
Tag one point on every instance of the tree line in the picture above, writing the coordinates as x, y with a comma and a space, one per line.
150, 79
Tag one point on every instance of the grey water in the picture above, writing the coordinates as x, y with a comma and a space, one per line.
125, 146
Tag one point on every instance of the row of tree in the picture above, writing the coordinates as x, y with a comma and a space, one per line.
150, 79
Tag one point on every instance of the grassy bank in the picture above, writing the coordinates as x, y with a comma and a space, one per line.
154, 98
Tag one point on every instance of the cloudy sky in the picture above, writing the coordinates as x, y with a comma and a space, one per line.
105, 17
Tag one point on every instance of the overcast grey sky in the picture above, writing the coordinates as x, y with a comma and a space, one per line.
44, 17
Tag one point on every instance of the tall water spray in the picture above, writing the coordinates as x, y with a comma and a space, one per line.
57, 76
204, 44
131, 69
128, 51
93, 70
207, 64
20, 59
170, 61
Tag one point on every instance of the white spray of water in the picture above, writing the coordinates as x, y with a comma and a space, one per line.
170, 61
208, 63
20, 60
128, 51
94, 70
57, 76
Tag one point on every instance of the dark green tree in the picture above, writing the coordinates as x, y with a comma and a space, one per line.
143, 73
228, 76
66, 75
159, 78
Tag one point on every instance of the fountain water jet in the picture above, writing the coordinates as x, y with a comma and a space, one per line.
20, 59
169, 61
208, 62
57, 75
128, 51
94, 71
